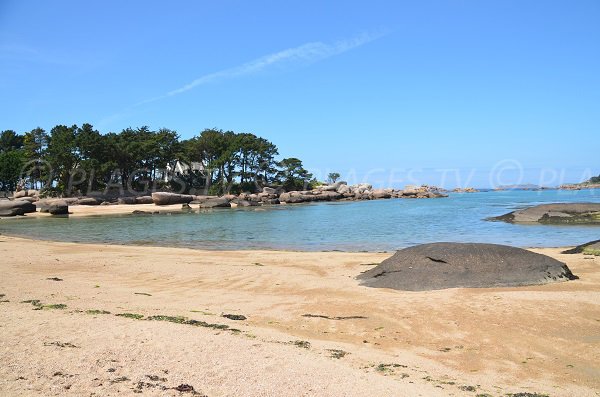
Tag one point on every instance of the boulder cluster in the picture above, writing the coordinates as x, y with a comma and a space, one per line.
16, 207
26, 201
339, 191
21, 204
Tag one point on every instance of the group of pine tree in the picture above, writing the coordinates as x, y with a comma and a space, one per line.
137, 158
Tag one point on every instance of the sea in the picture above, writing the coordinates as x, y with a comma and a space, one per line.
369, 226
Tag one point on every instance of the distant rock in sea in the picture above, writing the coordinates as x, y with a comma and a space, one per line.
464, 265
555, 214
465, 190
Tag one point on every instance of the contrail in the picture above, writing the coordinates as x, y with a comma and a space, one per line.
306, 53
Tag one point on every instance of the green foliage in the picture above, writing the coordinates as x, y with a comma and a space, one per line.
73, 160
292, 174
9, 140
595, 179
61, 153
234, 161
35, 143
332, 177
11, 165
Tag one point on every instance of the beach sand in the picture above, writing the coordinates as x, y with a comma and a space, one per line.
113, 209
455, 342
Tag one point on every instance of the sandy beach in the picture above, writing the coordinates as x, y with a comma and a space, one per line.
310, 328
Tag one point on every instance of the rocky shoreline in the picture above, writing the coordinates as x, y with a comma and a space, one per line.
28, 201
579, 186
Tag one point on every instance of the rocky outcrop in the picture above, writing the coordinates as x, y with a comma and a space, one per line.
591, 248
555, 214
273, 196
464, 265
16, 207
423, 191
342, 191
165, 198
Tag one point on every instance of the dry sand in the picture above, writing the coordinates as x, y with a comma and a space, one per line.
543, 339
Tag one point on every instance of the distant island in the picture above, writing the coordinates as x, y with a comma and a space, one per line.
524, 186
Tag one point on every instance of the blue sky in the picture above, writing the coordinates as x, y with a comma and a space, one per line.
392, 92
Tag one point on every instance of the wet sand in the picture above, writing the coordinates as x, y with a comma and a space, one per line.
355, 341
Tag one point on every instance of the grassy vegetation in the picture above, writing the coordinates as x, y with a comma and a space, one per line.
336, 353
134, 316
388, 367
95, 311
301, 343
171, 319
591, 251
195, 323
39, 306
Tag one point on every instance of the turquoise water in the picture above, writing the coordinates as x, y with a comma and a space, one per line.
381, 225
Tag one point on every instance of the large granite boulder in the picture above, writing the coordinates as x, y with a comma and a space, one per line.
58, 207
559, 213
166, 198
30, 199
245, 203
219, 202
273, 201
31, 193
269, 190
290, 197
328, 196
8, 212
16, 207
343, 189
20, 194
382, 193
456, 265
144, 200
68, 200
126, 200
88, 201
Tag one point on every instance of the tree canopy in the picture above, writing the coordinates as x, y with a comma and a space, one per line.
79, 159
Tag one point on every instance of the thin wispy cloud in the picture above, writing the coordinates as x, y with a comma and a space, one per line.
305, 54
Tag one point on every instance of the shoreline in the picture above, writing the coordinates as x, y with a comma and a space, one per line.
248, 250
433, 343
